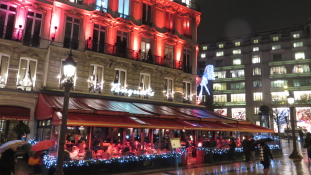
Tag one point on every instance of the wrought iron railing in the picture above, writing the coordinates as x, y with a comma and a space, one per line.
188, 36
31, 40
71, 43
124, 16
168, 30
147, 23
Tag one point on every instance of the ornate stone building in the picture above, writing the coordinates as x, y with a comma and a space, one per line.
129, 50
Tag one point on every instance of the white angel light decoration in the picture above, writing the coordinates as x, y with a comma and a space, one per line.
207, 75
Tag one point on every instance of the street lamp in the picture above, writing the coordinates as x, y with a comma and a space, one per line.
294, 154
69, 69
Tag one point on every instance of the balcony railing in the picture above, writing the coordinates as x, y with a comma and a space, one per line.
187, 69
136, 55
147, 23
30, 40
168, 30
124, 16
188, 36
11, 33
71, 43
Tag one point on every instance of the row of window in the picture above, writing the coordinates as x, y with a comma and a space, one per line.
257, 96
256, 41
26, 78
255, 49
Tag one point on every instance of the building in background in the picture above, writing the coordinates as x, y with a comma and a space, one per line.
147, 46
252, 70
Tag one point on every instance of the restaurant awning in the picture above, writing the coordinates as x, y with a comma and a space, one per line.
14, 113
250, 127
75, 119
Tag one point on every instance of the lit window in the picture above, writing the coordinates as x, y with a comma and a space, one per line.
302, 82
221, 74
275, 47
278, 83
301, 68
257, 83
204, 47
169, 55
236, 51
302, 95
255, 49
237, 61
255, 41
219, 54
256, 71
258, 96
237, 97
255, 59
238, 113
4, 67
120, 78
221, 111
168, 89
296, 35
220, 46
238, 43
124, 8
101, 5
203, 55
219, 86
279, 96
237, 73
220, 98
27, 74
144, 84
299, 55
256, 111
278, 70
275, 38
187, 91
237, 85
298, 44
96, 79
145, 49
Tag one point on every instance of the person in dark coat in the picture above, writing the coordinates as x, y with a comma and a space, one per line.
307, 140
88, 154
301, 135
231, 151
252, 148
245, 145
7, 162
37, 168
265, 155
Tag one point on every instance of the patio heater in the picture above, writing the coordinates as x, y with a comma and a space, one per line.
294, 154
69, 69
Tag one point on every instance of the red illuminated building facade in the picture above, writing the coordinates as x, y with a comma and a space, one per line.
146, 46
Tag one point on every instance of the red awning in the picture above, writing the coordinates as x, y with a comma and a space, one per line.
250, 127
14, 113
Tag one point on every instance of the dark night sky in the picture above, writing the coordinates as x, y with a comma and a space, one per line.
233, 17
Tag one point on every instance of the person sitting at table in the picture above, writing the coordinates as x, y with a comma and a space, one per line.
82, 146
125, 151
127, 145
119, 147
112, 149
88, 154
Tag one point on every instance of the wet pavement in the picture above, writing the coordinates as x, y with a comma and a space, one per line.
279, 166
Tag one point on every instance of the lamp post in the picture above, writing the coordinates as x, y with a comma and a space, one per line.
294, 154
69, 69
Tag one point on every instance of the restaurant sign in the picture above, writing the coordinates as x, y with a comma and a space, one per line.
116, 88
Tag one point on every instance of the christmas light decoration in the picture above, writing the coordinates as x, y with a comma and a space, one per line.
207, 75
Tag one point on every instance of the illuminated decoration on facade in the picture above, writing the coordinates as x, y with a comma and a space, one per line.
207, 75
116, 88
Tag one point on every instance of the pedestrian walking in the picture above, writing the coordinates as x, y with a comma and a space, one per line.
301, 135
37, 167
245, 145
265, 155
252, 148
7, 161
307, 143
231, 151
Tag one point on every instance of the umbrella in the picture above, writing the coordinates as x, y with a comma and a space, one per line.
262, 140
42, 145
11, 144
